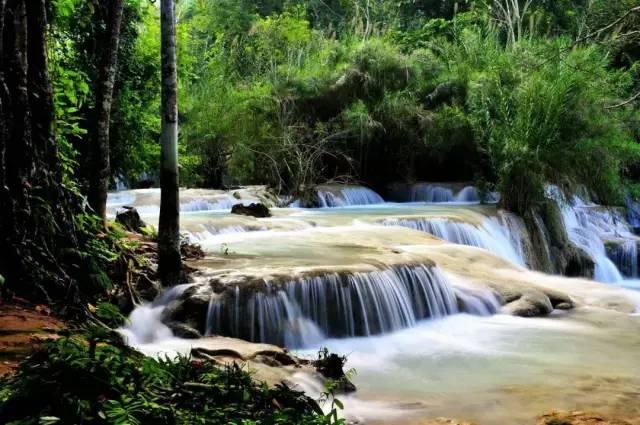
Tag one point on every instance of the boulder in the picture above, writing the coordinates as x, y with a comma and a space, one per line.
190, 309
253, 210
184, 331
129, 218
526, 301
529, 304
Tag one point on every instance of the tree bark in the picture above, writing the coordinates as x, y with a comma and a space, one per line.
99, 150
36, 225
169, 227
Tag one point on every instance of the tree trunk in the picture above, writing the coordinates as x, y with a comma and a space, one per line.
169, 227
99, 150
36, 224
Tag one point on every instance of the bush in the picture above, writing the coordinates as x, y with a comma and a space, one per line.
91, 382
450, 101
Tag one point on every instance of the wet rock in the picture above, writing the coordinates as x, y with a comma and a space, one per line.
190, 308
622, 255
253, 210
331, 366
578, 418
577, 263
129, 218
529, 304
551, 247
559, 300
184, 331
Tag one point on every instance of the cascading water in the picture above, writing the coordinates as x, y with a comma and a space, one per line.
306, 310
210, 231
588, 225
348, 196
147, 201
500, 238
145, 322
434, 193
625, 257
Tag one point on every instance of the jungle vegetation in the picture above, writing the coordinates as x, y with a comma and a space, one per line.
509, 94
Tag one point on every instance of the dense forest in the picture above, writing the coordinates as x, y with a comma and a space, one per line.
96, 95
369, 91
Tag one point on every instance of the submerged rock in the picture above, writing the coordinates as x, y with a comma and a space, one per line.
253, 210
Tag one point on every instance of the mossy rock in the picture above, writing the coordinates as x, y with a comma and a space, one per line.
252, 210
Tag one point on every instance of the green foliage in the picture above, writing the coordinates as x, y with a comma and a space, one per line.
296, 93
75, 27
442, 100
100, 381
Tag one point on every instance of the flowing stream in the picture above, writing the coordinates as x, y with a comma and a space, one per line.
410, 292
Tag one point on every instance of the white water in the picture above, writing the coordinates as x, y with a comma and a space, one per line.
497, 235
144, 325
147, 201
434, 193
495, 370
342, 305
348, 196
588, 226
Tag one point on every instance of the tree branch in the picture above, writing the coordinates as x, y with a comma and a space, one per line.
626, 102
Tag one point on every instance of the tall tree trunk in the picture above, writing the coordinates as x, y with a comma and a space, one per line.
36, 225
169, 227
99, 150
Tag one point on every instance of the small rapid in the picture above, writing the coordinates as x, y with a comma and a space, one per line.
499, 235
442, 193
330, 197
306, 310
589, 225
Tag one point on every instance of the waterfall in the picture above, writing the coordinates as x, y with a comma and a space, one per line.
144, 325
303, 311
426, 192
348, 196
434, 193
633, 212
625, 257
588, 225
503, 240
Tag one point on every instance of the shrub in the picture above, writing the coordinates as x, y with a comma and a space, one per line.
77, 381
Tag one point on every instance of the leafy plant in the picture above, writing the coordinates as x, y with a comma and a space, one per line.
101, 381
